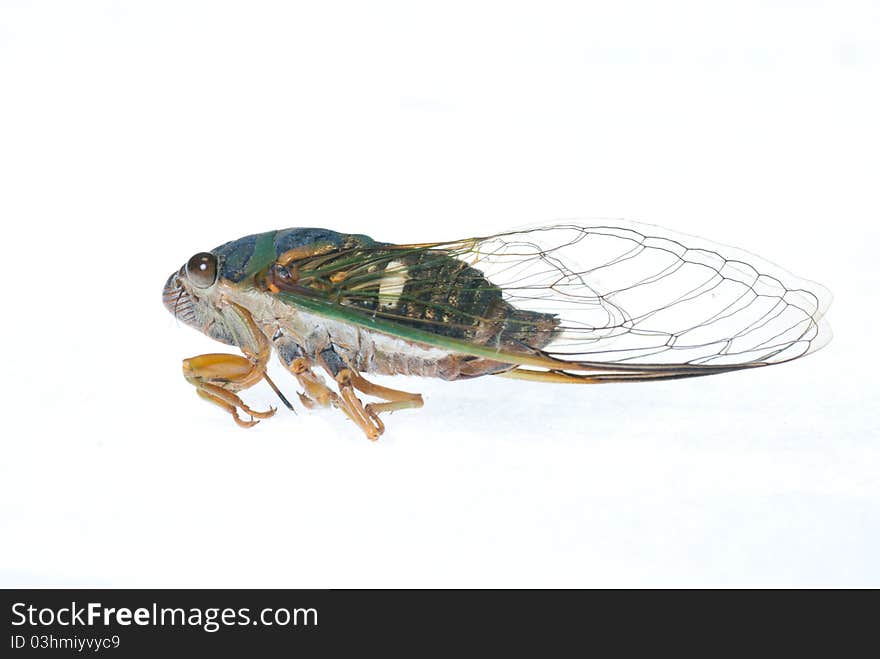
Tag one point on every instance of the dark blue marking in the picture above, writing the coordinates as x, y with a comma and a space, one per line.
288, 239
288, 350
234, 257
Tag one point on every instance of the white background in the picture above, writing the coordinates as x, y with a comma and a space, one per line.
134, 134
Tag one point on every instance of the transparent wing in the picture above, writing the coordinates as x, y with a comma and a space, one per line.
625, 295
629, 298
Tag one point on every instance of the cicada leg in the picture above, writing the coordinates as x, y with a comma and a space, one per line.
315, 391
318, 394
229, 407
396, 399
218, 377
348, 380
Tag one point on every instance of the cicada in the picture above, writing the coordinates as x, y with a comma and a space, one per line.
574, 303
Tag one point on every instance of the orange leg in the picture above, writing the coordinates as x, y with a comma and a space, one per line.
396, 400
218, 376
348, 380
318, 394
228, 407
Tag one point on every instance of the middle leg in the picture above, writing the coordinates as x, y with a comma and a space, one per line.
316, 393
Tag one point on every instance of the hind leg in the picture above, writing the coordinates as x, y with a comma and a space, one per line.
395, 399
316, 393
348, 380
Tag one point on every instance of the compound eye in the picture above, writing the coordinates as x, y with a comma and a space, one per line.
201, 269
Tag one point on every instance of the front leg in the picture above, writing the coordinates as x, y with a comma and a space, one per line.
218, 376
